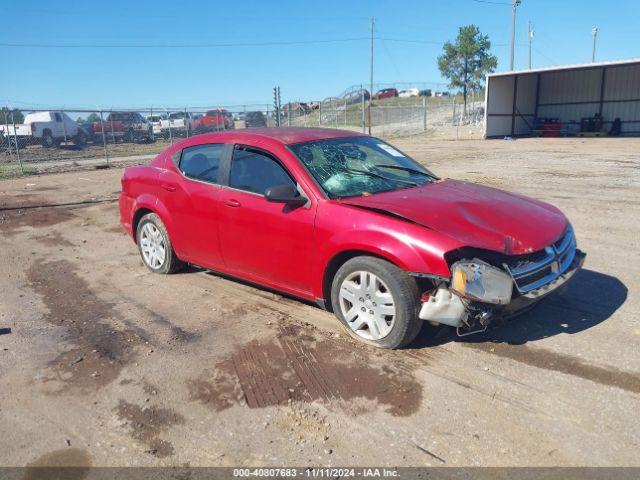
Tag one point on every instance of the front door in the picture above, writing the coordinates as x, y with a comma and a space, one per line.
261, 240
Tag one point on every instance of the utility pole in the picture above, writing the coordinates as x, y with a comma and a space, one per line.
530, 38
594, 32
513, 29
370, 79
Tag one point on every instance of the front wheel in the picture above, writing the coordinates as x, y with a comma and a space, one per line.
155, 247
377, 302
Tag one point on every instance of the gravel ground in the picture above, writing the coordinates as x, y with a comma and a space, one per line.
104, 363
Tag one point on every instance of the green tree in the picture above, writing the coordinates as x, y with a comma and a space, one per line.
93, 117
466, 62
6, 116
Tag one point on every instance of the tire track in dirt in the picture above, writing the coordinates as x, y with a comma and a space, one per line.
300, 366
409, 361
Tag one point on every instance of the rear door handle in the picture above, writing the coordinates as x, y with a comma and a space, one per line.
232, 203
168, 187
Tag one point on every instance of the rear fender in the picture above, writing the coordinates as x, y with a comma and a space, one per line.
149, 202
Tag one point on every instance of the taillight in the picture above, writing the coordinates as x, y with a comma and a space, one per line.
33, 127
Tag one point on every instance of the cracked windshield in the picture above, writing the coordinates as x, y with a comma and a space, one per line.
349, 167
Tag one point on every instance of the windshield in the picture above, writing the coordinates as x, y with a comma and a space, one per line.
349, 167
176, 115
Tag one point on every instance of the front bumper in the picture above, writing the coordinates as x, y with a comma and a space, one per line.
447, 308
525, 301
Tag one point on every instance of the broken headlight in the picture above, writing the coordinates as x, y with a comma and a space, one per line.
477, 280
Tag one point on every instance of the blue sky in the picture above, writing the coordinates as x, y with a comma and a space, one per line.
206, 76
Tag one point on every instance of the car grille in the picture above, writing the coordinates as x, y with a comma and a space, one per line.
544, 266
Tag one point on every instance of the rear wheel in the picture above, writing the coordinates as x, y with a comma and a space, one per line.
128, 136
47, 139
80, 139
155, 247
377, 302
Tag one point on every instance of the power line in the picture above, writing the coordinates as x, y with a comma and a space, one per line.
223, 45
407, 40
181, 45
492, 3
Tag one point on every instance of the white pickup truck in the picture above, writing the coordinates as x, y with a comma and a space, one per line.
45, 128
181, 122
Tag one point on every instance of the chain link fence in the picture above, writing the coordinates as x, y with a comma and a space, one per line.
445, 117
39, 141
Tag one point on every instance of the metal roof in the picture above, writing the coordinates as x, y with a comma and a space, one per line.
576, 66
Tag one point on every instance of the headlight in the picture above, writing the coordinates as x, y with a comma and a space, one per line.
477, 280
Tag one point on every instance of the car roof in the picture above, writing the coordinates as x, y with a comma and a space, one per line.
286, 136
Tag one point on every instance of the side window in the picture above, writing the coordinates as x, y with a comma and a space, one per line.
58, 117
255, 172
201, 162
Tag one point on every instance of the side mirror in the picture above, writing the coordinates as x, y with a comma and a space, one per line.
284, 194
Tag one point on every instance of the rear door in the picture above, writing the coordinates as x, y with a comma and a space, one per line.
261, 240
190, 190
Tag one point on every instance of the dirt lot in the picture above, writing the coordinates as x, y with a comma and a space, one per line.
104, 363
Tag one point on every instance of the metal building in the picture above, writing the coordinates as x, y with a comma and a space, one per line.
516, 103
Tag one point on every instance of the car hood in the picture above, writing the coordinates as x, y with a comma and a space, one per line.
475, 215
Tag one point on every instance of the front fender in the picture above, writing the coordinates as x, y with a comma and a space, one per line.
409, 246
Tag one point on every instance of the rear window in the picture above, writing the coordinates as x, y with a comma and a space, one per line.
201, 162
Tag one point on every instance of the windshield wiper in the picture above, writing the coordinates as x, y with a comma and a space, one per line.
407, 169
377, 175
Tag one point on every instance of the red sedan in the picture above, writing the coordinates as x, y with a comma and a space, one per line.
350, 222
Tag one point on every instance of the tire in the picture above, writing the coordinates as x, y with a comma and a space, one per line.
391, 286
128, 136
80, 140
147, 231
47, 139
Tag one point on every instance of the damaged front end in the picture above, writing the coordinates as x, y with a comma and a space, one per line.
481, 290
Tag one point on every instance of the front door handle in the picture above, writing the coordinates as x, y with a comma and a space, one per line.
232, 203
168, 187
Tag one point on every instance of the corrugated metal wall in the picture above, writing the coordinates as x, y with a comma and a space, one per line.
621, 94
569, 95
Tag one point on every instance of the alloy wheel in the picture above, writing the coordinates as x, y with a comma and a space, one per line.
152, 246
367, 305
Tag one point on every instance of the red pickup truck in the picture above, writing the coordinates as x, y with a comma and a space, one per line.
218, 119
125, 126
